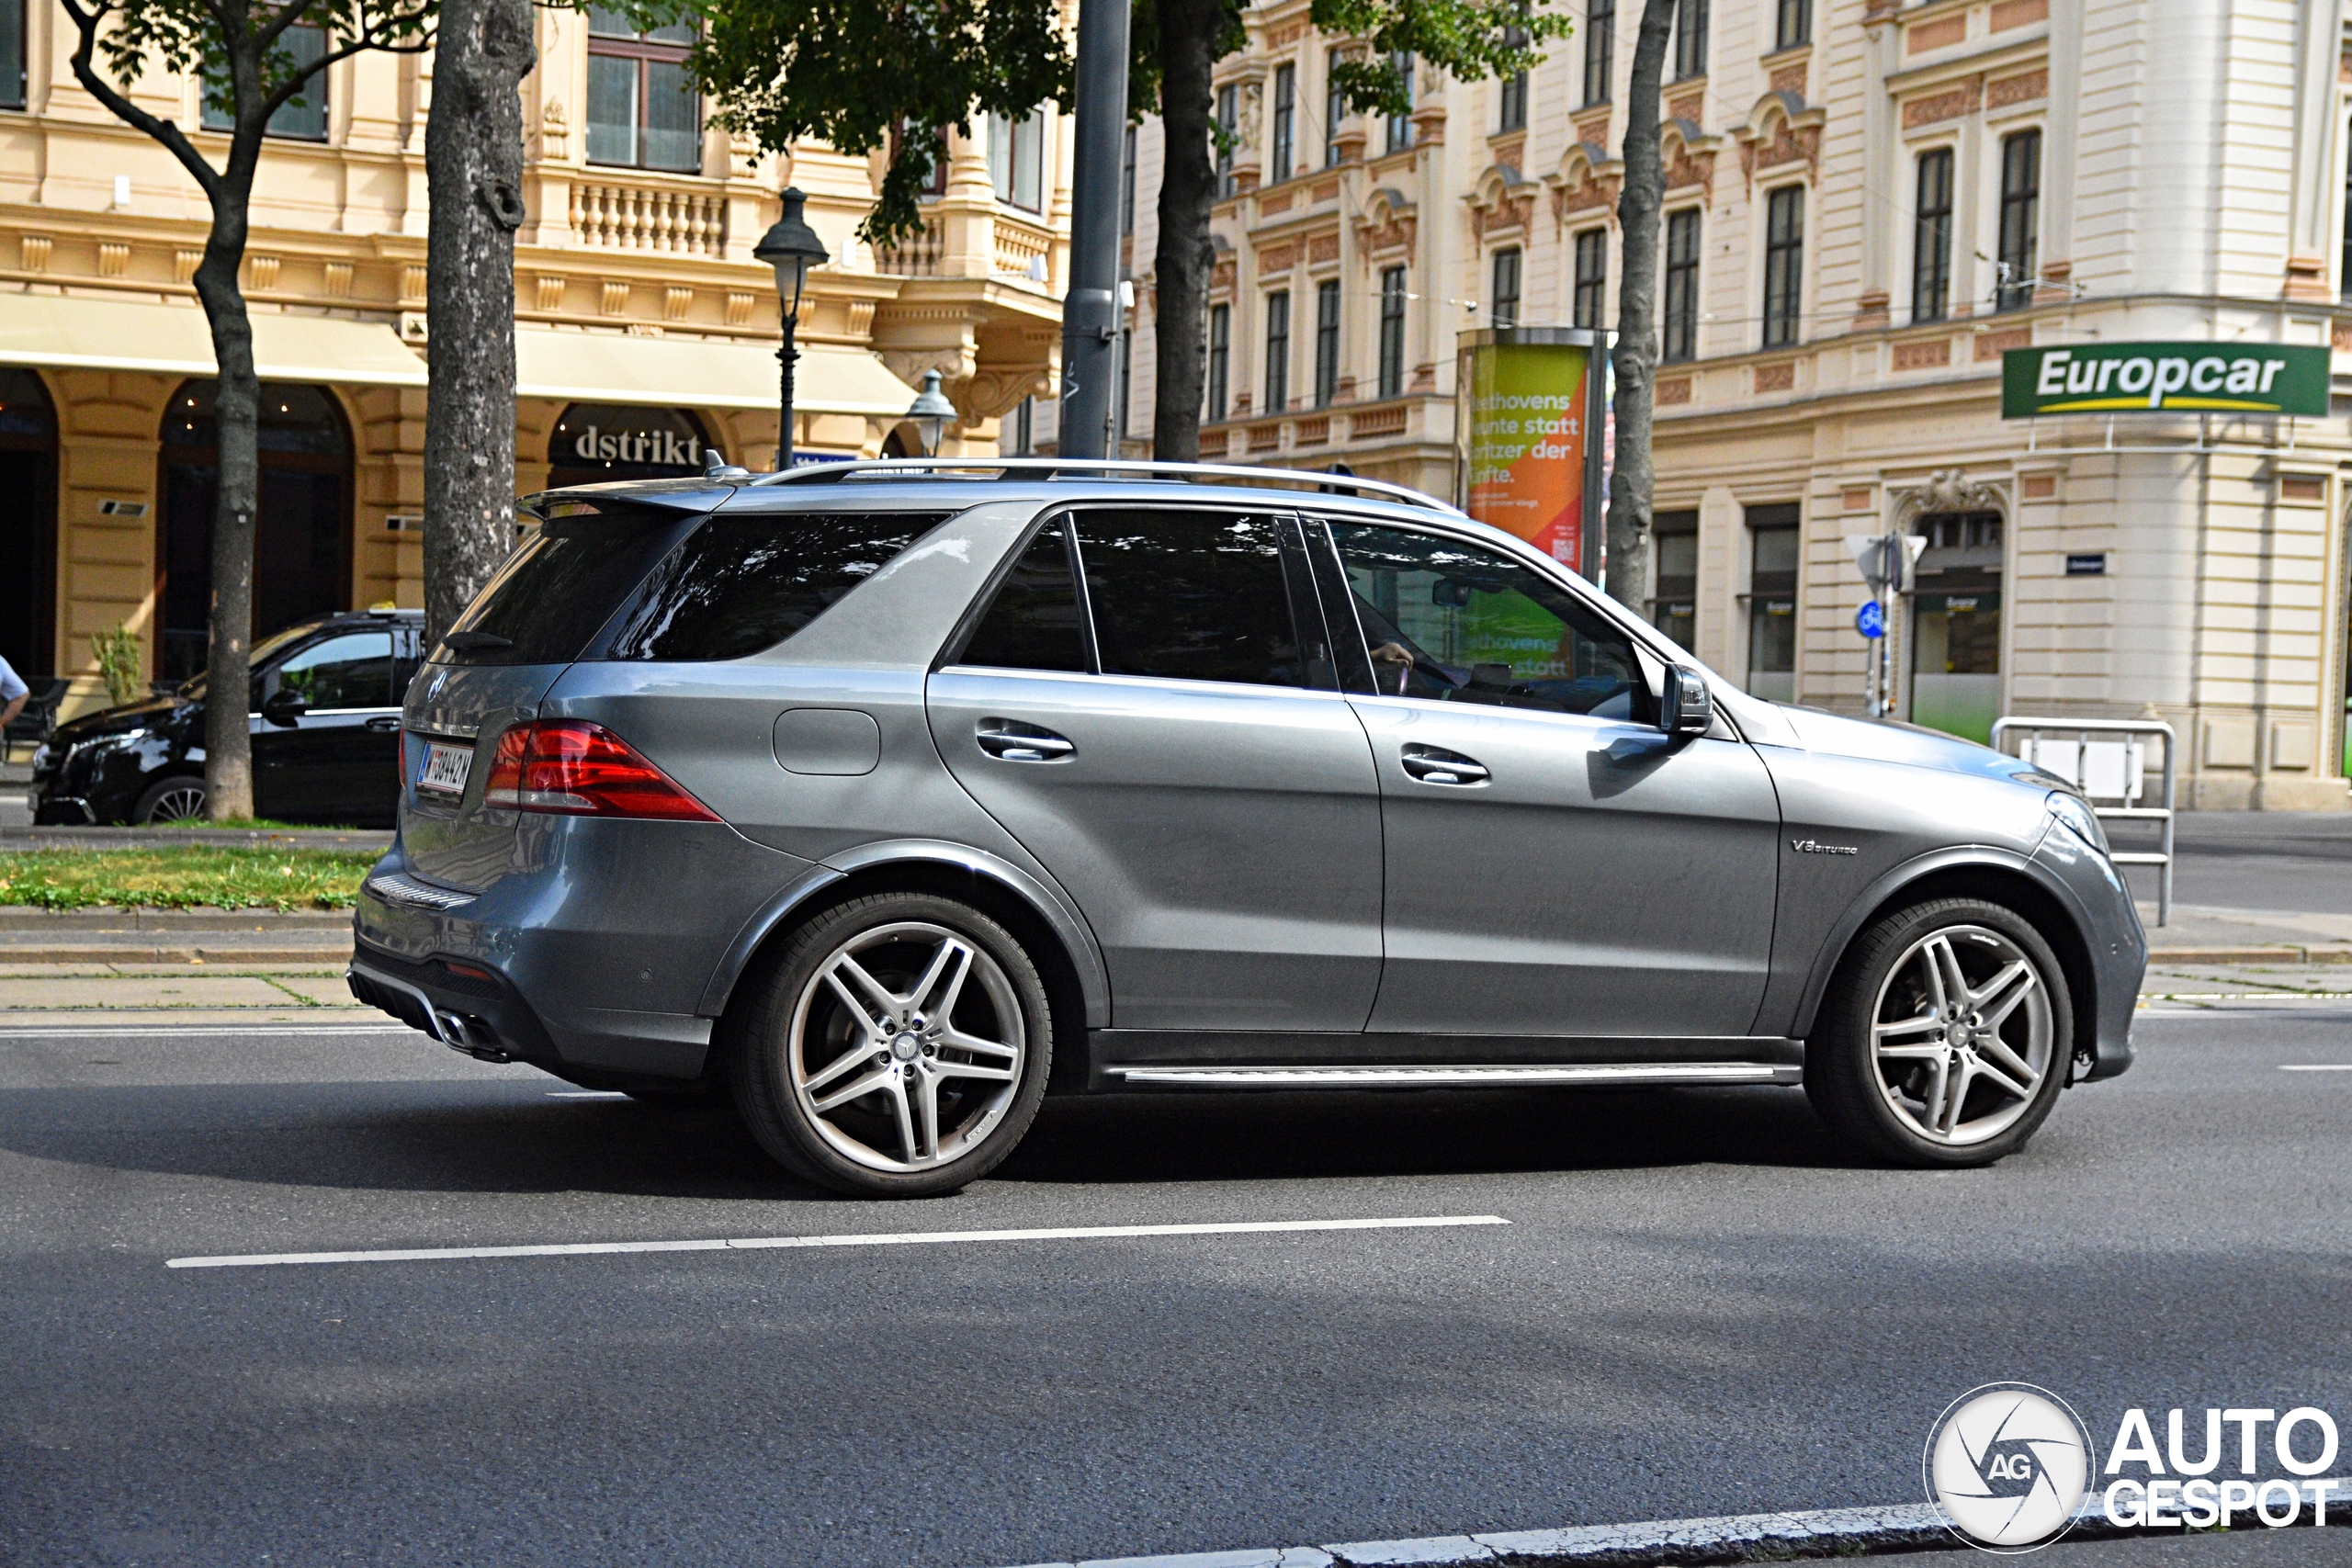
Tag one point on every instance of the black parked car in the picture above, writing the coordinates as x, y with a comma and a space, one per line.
326, 735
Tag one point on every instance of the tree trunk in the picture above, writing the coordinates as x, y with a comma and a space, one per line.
227, 661
1632, 482
473, 165
1186, 259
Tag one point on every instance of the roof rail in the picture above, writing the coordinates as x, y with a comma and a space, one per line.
1047, 468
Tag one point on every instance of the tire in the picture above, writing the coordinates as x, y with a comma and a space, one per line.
855, 999
1888, 1044
178, 799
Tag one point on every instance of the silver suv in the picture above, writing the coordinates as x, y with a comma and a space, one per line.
888, 798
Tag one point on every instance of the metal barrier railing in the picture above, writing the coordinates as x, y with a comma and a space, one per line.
2112, 767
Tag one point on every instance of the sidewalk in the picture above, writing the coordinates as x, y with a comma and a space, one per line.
32, 941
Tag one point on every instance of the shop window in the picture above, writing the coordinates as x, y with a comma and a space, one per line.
1017, 165
1277, 352
1931, 239
1681, 285
1280, 155
1220, 370
643, 110
1327, 344
1783, 266
1392, 331
1591, 277
1228, 121
1774, 553
594, 443
1690, 38
1956, 635
12, 55
302, 118
1503, 298
1793, 24
2021, 218
1599, 50
1335, 108
1400, 126
27, 524
1674, 576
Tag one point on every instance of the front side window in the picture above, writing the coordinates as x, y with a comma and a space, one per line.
1400, 126
1682, 285
1034, 623
1285, 124
2021, 218
1793, 24
1931, 239
1327, 344
303, 117
1773, 554
1191, 596
643, 110
1591, 275
1017, 163
1220, 370
1783, 265
1504, 276
1456, 623
1690, 38
1392, 333
1599, 50
1674, 576
354, 671
1277, 352
1228, 118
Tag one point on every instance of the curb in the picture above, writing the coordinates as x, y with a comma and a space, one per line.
82, 838
320, 954
2284, 954
113, 919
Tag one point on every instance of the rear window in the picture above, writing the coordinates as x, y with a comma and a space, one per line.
554, 594
745, 582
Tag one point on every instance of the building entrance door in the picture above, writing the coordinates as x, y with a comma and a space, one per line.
27, 524
1956, 626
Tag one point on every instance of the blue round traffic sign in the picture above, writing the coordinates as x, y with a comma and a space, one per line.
1871, 620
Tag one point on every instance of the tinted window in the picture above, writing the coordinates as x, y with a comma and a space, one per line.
1456, 623
1033, 622
743, 583
354, 671
1191, 596
554, 594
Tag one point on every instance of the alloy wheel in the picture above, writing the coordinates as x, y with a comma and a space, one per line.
906, 1046
184, 803
1960, 1035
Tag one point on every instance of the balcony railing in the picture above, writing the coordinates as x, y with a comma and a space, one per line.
1020, 250
649, 218
917, 257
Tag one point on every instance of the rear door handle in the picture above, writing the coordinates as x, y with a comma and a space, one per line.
384, 724
1013, 742
1433, 764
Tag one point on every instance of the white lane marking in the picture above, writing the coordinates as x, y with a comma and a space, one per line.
882, 1238
121, 1030
2316, 1067
586, 1094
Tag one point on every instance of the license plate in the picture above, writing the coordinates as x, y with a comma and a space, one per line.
445, 767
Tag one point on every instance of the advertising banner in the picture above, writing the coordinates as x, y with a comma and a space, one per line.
1530, 459
2164, 377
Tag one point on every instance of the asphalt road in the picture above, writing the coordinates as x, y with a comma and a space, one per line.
2298, 861
1699, 1306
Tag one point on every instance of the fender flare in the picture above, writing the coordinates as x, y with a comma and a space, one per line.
1958, 857
1045, 901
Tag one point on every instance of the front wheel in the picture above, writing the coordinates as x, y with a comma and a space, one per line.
900, 1047
1945, 1037
170, 801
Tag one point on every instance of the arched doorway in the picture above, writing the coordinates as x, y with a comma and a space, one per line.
27, 524
595, 444
302, 530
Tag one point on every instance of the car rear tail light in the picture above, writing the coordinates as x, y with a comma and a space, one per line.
571, 767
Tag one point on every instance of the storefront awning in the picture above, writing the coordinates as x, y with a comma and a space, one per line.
608, 368
71, 332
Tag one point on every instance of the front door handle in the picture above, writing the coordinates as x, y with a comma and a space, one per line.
1013, 742
384, 724
1434, 765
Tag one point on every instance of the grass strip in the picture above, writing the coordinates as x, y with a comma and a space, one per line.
184, 877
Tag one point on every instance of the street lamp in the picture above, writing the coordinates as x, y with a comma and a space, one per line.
792, 248
930, 412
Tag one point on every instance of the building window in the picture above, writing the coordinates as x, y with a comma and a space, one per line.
1220, 374
1690, 38
1591, 275
1931, 239
642, 108
1017, 163
1228, 120
2021, 216
2346, 287
12, 55
1279, 156
1335, 108
1327, 344
1025, 428
1795, 24
303, 117
1682, 285
1400, 126
1504, 276
1514, 93
1277, 352
1599, 50
1127, 185
1674, 582
1126, 382
1773, 554
1783, 265
1392, 331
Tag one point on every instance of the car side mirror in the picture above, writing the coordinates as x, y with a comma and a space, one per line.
285, 706
1685, 706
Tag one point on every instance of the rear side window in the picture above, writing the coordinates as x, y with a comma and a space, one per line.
554, 594
743, 583
1191, 596
1033, 621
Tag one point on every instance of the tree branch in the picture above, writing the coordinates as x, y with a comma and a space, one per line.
167, 132
368, 40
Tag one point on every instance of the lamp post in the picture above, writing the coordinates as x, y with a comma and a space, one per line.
930, 412
791, 248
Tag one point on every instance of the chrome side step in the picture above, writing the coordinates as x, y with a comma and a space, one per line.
1594, 1074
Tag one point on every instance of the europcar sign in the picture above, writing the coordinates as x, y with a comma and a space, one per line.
2164, 378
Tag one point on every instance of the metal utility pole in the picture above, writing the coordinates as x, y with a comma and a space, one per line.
1885, 560
1091, 309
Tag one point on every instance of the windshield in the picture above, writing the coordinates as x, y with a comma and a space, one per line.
262, 651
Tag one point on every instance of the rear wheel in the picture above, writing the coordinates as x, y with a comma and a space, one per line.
898, 1048
168, 801
1945, 1037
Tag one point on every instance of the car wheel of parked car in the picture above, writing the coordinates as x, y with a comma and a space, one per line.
1944, 1039
898, 1048
168, 801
